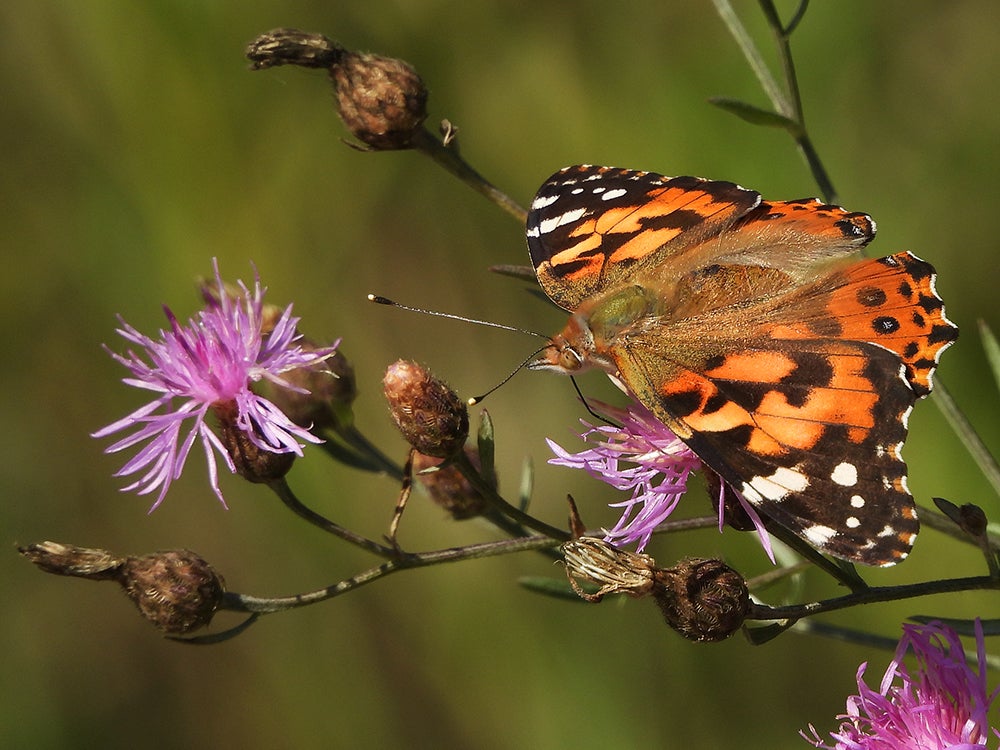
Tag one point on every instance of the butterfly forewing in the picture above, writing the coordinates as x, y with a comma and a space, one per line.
590, 228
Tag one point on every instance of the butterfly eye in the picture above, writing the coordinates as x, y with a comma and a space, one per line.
570, 359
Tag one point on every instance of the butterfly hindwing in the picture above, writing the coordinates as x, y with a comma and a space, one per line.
809, 433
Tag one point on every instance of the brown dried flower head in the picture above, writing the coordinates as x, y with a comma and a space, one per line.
431, 416
448, 487
703, 600
382, 100
177, 591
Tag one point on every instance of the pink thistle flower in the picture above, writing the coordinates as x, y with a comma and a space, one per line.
642, 456
200, 367
944, 703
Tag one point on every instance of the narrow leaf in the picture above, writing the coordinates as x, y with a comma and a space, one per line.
754, 114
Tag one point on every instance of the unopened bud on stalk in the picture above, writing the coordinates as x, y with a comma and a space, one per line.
431, 416
177, 591
448, 487
331, 387
703, 600
252, 462
381, 100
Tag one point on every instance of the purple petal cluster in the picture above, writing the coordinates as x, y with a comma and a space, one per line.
943, 703
210, 361
642, 457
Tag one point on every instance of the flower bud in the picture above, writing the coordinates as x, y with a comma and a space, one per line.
703, 600
432, 418
448, 487
381, 100
253, 463
331, 387
177, 591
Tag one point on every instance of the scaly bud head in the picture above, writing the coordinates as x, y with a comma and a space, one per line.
703, 600
431, 416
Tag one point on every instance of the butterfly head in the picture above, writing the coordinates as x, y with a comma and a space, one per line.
570, 351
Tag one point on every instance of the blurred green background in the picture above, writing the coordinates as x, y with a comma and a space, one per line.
137, 146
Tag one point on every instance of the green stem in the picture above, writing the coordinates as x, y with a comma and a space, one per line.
967, 434
462, 463
870, 596
266, 605
283, 491
449, 158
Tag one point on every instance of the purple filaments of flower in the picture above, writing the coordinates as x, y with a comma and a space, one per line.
641, 456
942, 703
211, 360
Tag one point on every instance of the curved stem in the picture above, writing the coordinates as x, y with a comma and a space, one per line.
283, 491
267, 605
871, 596
462, 463
448, 157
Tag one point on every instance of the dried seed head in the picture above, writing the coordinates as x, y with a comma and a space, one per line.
253, 463
382, 101
177, 590
432, 418
292, 47
615, 570
448, 487
703, 600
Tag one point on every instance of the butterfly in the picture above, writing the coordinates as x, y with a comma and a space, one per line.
757, 334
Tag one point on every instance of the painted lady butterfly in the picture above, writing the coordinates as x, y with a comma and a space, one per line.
752, 330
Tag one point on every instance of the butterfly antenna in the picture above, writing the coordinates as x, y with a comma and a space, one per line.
379, 300
476, 399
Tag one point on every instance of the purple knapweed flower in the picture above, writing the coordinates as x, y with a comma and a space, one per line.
209, 365
642, 456
942, 703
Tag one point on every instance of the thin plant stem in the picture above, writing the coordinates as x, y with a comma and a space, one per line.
870, 596
469, 471
447, 155
284, 492
266, 605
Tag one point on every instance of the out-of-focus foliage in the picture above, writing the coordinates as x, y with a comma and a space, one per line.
137, 146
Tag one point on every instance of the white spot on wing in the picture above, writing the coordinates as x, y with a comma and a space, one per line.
781, 483
845, 474
857, 501
542, 201
852, 522
557, 221
819, 535
610, 195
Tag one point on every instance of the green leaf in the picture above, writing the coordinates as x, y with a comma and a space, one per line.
487, 449
754, 114
555, 587
527, 484
992, 349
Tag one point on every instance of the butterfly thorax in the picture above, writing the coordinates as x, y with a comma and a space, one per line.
586, 340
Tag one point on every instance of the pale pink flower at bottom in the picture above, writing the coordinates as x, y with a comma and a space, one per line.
942, 703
